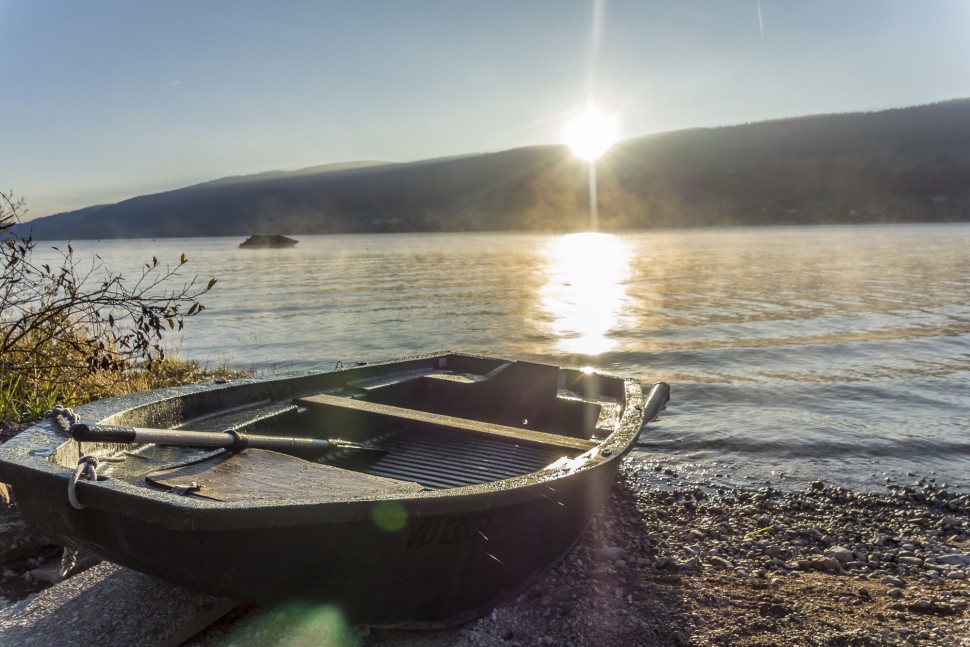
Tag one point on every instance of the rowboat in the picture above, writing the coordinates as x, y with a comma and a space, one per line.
418, 492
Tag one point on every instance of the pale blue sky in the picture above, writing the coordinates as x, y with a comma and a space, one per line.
107, 99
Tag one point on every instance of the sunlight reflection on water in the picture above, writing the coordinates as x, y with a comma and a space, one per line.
586, 290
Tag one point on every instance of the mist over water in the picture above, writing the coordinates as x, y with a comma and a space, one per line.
839, 353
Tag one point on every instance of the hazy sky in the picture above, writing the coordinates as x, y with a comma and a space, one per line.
107, 99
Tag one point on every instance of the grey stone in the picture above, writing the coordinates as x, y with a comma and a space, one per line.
954, 559
720, 562
840, 553
50, 572
826, 564
612, 552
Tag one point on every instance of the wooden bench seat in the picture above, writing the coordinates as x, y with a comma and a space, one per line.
383, 381
451, 422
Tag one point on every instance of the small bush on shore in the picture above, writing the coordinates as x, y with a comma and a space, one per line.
75, 331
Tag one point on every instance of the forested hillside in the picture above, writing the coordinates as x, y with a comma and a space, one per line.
904, 165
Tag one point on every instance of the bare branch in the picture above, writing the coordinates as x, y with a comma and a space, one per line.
84, 316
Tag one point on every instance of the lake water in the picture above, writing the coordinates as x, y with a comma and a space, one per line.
839, 353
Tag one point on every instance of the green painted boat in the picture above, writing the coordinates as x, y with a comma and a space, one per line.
418, 492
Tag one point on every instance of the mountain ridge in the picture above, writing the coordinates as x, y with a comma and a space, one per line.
898, 165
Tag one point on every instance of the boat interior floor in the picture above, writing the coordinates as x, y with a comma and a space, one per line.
263, 475
438, 458
411, 451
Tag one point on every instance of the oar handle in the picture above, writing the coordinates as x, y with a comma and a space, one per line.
102, 434
186, 438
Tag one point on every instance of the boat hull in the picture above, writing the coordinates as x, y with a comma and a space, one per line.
428, 558
421, 564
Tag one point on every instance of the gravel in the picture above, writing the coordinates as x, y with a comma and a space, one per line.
704, 565
719, 566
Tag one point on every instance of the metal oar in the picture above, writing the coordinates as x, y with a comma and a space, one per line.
228, 439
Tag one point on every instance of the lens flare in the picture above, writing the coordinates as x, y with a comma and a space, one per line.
389, 516
294, 625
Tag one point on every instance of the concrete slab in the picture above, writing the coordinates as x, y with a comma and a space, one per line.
109, 605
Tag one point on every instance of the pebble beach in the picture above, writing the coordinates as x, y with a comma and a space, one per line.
700, 565
731, 566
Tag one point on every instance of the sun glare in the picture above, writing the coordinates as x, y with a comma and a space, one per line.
590, 133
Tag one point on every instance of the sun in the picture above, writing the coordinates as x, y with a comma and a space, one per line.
590, 133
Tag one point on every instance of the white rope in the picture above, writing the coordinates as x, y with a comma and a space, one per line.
88, 467
68, 562
63, 416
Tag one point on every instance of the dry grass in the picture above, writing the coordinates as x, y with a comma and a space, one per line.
28, 391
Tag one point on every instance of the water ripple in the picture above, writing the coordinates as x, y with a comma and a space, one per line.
817, 351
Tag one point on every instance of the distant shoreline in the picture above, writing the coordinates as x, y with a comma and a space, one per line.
780, 226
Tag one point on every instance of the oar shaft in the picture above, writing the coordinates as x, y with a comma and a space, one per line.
186, 438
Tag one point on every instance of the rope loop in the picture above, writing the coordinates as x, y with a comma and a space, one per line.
63, 416
68, 562
87, 466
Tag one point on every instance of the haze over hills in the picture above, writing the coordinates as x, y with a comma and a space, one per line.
901, 165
